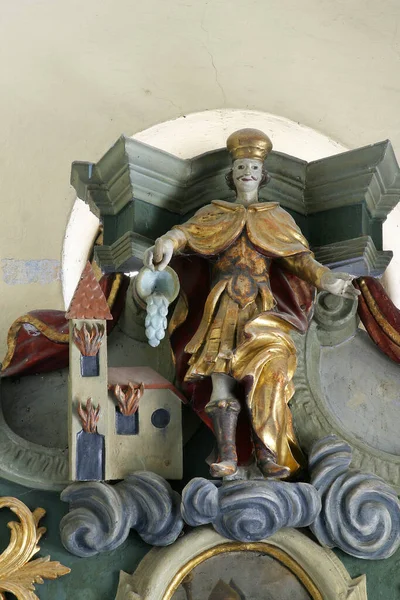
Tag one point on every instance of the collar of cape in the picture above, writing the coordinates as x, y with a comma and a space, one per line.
257, 206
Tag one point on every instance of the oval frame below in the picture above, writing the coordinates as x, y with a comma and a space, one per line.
163, 569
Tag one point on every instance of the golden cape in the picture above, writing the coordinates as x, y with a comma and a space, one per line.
269, 227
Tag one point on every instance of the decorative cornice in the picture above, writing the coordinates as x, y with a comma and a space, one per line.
125, 255
133, 170
357, 256
370, 174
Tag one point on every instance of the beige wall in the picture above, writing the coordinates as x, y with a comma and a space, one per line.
75, 75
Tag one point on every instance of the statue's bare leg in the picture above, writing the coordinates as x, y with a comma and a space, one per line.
223, 409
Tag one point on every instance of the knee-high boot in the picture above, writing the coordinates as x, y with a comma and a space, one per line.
224, 416
266, 461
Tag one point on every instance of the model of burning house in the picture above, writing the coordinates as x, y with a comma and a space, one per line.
120, 419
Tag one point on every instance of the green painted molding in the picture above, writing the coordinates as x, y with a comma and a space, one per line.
370, 174
358, 256
131, 169
125, 255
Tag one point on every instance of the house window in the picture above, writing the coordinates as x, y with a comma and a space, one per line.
90, 366
160, 418
126, 424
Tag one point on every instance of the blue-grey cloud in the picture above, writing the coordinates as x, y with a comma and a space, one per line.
249, 510
360, 512
101, 515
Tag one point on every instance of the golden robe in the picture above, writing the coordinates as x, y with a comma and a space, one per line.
242, 333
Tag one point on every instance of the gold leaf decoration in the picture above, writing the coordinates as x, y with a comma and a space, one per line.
18, 573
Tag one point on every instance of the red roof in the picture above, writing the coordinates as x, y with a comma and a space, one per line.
88, 301
146, 375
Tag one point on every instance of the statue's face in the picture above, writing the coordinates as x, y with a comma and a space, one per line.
247, 174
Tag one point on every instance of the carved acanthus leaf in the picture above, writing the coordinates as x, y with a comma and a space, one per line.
18, 574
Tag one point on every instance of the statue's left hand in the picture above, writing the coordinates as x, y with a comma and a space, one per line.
339, 284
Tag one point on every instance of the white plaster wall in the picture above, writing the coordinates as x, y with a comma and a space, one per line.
201, 132
80, 234
75, 75
391, 241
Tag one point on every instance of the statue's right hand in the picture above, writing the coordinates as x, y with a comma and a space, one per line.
158, 256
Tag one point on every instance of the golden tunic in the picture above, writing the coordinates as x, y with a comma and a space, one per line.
240, 334
240, 292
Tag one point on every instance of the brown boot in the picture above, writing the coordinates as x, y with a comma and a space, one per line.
266, 461
224, 416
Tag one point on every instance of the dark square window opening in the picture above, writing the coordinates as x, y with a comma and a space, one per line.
126, 424
90, 366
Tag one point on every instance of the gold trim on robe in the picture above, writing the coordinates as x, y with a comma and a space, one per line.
266, 361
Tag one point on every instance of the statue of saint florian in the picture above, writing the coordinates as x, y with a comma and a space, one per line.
244, 333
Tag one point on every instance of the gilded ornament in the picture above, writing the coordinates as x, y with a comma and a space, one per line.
18, 573
249, 143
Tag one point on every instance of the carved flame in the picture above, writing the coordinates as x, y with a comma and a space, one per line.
128, 398
89, 416
88, 339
